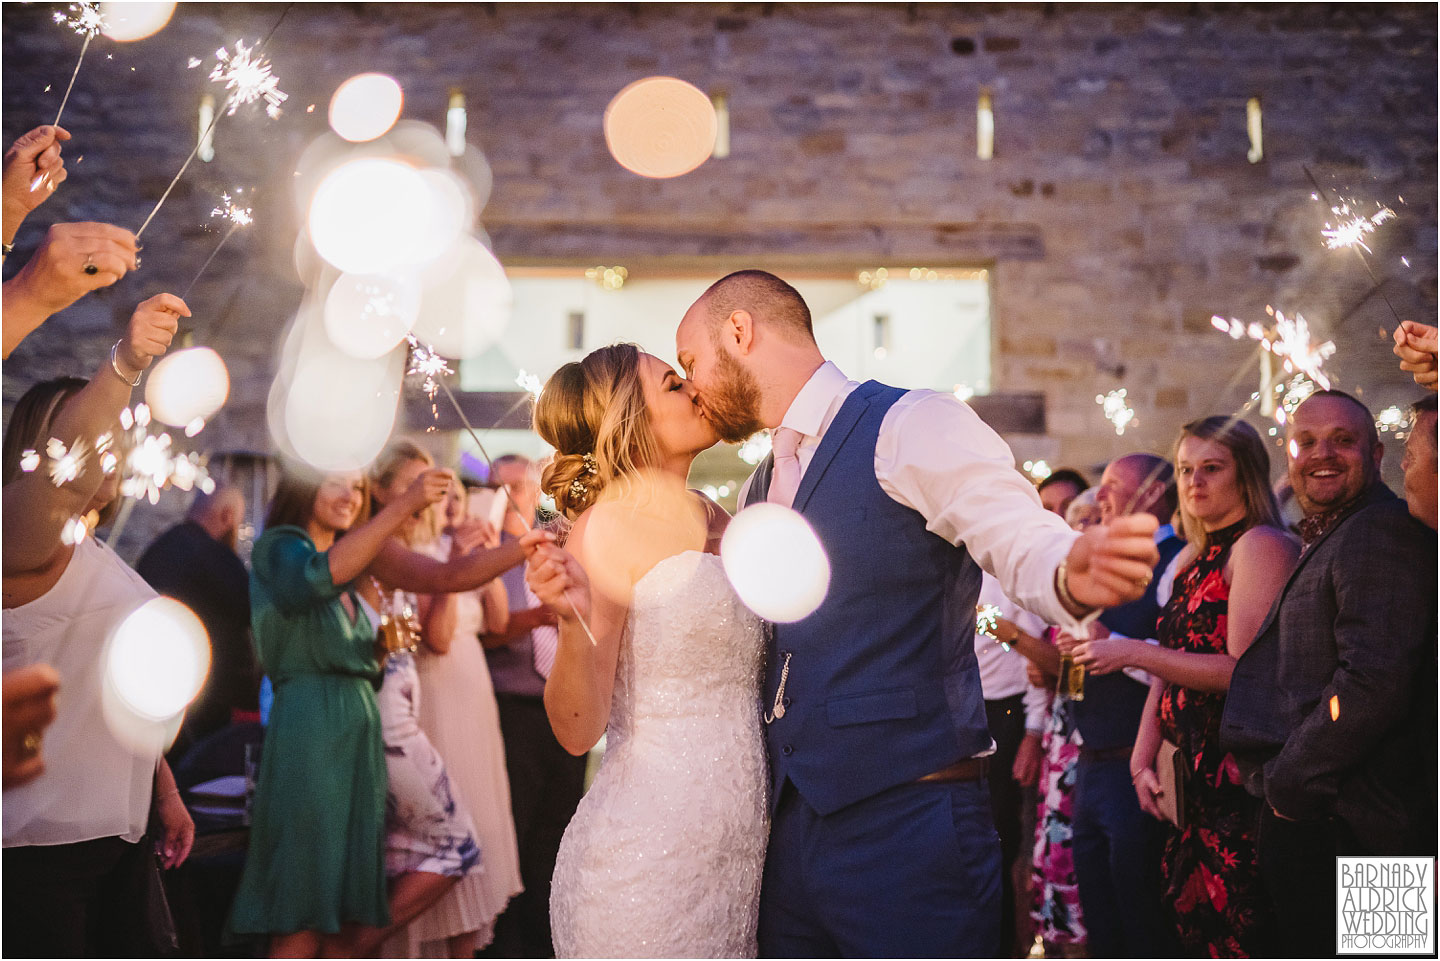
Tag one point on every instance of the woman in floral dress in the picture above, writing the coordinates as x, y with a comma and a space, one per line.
1237, 560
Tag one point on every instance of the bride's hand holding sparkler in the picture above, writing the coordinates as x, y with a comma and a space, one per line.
1109, 565
1415, 345
32, 169
556, 577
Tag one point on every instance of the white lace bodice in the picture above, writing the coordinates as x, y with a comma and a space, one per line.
665, 854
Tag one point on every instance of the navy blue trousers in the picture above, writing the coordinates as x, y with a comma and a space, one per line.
1117, 849
911, 872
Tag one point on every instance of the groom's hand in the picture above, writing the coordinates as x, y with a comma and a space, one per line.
1112, 564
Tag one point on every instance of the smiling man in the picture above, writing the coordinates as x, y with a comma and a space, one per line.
1330, 710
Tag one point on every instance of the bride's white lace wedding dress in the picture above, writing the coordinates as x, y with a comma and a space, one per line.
664, 855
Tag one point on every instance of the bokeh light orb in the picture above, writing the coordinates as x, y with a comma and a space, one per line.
775, 563
340, 410
660, 127
158, 660
638, 521
187, 384
467, 301
366, 106
135, 20
374, 215
366, 316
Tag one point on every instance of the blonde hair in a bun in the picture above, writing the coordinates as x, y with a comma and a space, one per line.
594, 406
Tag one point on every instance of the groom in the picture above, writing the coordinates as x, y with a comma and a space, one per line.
882, 842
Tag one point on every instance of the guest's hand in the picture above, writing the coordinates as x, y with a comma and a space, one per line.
152, 327
1415, 345
56, 276
1038, 677
178, 828
531, 618
1113, 563
1147, 791
470, 535
1026, 769
28, 696
33, 161
429, 488
558, 581
1106, 655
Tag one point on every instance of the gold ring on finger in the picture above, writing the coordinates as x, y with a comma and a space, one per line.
30, 744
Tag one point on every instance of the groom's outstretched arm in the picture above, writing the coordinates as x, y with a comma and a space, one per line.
936, 456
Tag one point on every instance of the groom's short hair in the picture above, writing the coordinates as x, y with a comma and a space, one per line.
765, 296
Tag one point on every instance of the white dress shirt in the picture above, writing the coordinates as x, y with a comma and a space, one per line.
1002, 669
936, 456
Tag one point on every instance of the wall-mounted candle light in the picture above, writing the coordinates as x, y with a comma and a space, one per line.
455, 123
720, 100
984, 126
207, 130
1252, 127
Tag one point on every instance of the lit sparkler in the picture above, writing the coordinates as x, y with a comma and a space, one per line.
65, 463
987, 619
85, 19
426, 365
1352, 227
249, 78
1391, 419
1117, 409
530, 383
29, 460
236, 216
1037, 469
1289, 340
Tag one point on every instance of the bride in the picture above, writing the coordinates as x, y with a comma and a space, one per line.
665, 854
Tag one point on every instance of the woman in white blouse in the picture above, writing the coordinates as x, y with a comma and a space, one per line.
75, 871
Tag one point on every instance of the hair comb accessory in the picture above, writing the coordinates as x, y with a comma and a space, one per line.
591, 467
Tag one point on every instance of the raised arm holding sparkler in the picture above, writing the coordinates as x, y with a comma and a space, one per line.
34, 156
1415, 345
72, 260
39, 503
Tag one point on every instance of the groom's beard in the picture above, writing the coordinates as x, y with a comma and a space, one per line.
733, 407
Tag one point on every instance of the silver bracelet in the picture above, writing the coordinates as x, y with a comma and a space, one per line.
115, 366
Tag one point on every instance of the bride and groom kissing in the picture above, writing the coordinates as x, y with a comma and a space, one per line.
805, 789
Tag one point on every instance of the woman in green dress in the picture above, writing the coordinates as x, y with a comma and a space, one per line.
315, 870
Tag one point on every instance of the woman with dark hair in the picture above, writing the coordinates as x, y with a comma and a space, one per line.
1236, 561
315, 873
77, 856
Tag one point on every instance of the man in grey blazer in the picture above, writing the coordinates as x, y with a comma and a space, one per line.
1329, 709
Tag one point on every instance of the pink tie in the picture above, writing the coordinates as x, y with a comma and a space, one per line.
785, 480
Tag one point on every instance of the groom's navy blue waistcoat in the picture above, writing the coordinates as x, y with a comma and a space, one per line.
883, 686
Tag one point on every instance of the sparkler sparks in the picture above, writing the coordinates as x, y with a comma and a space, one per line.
427, 365
1289, 340
232, 212
247, 74
29, 460
987, 620
65, 464
1352, 227
530, 383
151, 465
1392, 419
1117, 409
84, 18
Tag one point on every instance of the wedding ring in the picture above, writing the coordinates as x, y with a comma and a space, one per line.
89, 266
30, 744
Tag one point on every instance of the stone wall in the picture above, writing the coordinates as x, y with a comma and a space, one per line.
1118, 212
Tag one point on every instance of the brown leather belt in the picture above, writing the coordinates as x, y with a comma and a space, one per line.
970, 769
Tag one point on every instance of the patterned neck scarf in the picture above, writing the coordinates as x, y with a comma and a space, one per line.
1312, 527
